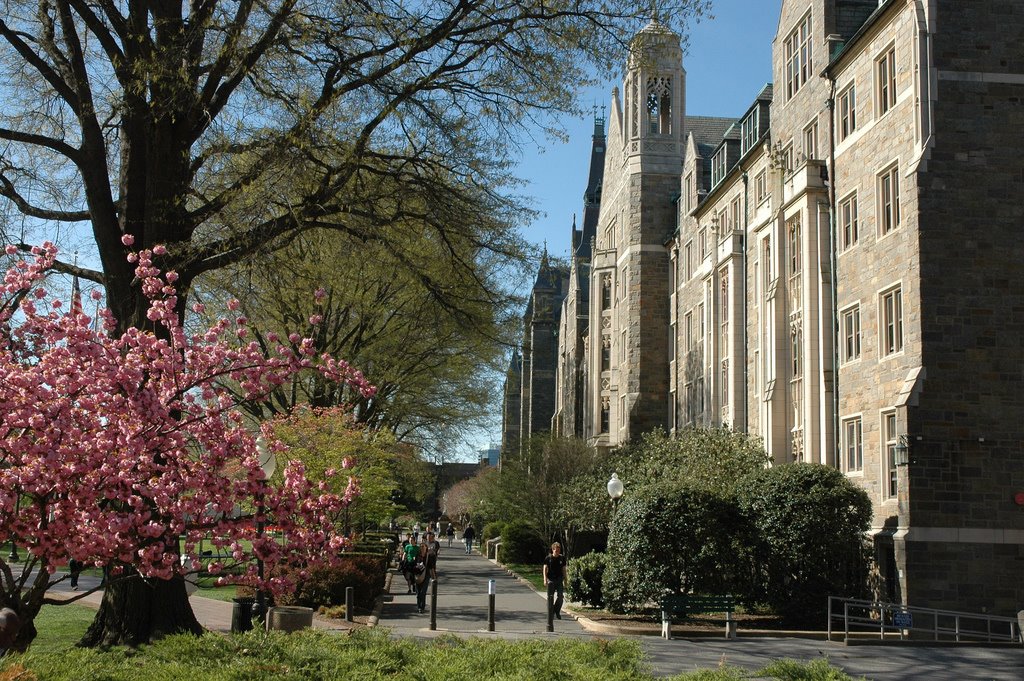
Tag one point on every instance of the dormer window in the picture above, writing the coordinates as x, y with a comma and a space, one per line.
718, 166
749, 130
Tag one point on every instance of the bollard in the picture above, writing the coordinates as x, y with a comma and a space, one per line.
349, 598
551, 612
433, 605
490, 605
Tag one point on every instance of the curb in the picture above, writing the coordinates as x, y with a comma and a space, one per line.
378, 605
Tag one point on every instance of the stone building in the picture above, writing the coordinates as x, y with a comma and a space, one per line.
529, 396
836, 271
570, 399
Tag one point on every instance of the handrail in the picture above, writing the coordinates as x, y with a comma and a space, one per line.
897, 619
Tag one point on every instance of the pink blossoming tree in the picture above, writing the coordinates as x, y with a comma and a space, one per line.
124, 450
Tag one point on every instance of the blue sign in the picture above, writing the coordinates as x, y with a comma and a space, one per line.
902, 620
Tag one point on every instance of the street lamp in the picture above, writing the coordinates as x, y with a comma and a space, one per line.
268, 464
615, 490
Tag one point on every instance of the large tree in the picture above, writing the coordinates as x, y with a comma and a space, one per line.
434, 368
174, 122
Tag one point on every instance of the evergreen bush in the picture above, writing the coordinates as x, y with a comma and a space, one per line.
583, 579
671, 538
810, 522
492, 530
521, 543
326, 586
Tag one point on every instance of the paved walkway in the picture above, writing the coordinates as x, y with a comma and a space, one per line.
521, 613
462, 582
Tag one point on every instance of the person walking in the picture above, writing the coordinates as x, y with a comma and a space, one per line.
450, 532
468, 535
429, 572
74, 570
433, 544
554, 578
410, 552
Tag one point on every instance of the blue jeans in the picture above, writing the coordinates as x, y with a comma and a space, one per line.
469, 545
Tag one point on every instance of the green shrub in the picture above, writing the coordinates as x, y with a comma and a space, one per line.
521, 543
809, 521
326, 586
492, 530
584, 575
667, 538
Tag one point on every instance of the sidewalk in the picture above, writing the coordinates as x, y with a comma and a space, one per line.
213, 614
462, 582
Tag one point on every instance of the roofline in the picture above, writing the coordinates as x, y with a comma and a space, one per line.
847, 49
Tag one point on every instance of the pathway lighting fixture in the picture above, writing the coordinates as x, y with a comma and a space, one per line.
901, 452
615, 490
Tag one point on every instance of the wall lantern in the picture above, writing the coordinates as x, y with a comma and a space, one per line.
901, 452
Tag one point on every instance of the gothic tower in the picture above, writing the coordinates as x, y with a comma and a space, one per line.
629, 321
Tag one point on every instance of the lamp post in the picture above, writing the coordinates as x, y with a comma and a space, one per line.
268, 464
615, 490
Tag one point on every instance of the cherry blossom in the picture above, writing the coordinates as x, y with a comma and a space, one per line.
127, 450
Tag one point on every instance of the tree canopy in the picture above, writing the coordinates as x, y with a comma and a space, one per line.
220, 129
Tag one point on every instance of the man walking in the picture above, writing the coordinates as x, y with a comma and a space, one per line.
554, 576
468, 535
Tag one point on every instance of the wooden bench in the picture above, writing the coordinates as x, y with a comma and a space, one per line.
692, 604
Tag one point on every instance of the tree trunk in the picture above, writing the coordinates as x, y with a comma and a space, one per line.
135, 611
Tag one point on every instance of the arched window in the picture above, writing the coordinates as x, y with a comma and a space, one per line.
658, 106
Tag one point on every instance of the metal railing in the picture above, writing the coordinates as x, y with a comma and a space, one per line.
893, 621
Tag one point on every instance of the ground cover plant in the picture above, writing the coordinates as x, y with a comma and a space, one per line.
368, 655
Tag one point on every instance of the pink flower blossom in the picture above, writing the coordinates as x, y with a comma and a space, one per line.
127, 239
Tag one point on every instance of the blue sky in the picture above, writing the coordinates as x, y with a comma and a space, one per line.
727, 63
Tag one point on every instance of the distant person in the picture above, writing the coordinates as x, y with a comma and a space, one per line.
468, 535
74, 570
450, 532
426, 570
410, 552
554, 576
416, 533
433, 544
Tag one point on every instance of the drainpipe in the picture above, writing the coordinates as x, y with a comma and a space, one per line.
746, 334
834, 263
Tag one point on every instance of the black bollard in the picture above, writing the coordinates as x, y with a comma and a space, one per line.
349, 598
490, 612
433, 605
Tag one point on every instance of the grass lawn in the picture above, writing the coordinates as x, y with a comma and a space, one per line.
208, 589
534, 574
60, 627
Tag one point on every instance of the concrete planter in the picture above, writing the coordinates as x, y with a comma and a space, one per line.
289, 618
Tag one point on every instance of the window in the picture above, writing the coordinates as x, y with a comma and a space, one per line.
851, 333
672, 331
787, 159
718, 166
606, 293
724, 311
798, 56
687, 196
673, 265
848, 229
847, 112
853, 445
723, 222
624, 279
622, 345
891, 317
725, 384
622, 411
795, 265
766, 258
811, 140
659, 105
890, 439
889, 200
605, 415
610, 235
688, 331
688, 260
761, 186
749, 130
796, 343
700, 322
702, 237
885, 75
606, 354
735, 216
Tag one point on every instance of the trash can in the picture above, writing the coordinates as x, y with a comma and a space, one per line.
241, 614
289, 618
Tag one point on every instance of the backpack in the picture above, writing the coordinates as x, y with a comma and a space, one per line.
420, 570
